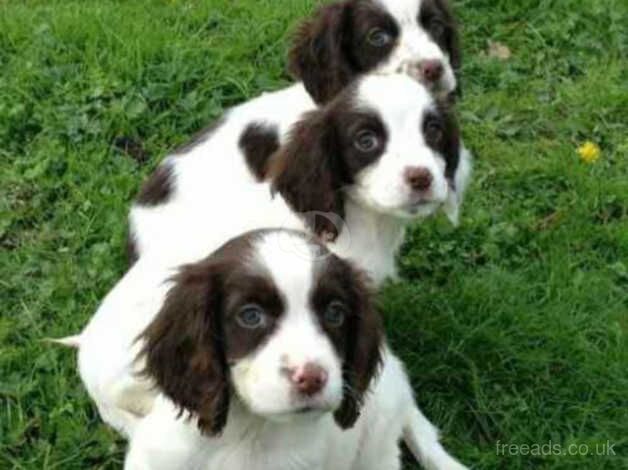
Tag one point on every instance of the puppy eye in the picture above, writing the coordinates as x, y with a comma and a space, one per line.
377, 37
335, 314
437, 27
366, 141
251, 316
433, 131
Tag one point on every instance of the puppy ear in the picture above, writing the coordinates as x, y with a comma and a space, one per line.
318, 56
307, 172
458, 161
183, 350
363, 355
452, 42
457, 186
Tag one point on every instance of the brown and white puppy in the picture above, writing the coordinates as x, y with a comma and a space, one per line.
355, 171
277, 361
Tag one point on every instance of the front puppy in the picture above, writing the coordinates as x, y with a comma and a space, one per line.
269, 356
285, 334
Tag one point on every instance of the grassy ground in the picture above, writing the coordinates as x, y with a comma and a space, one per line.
513, 326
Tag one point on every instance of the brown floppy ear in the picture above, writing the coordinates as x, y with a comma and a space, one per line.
363, 354
308, 173
183, 350
452, 39
318, 56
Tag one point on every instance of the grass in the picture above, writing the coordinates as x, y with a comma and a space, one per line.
513, 326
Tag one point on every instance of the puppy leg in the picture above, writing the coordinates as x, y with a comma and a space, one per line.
421, 437
163, 440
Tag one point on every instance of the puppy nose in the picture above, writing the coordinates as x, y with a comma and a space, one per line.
309, 379
418, 177
431, 70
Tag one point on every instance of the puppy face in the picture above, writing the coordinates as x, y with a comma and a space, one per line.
344, 40
384, 142
407, 146
288, 335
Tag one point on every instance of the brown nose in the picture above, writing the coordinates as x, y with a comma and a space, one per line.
309, 379
418, 177
431, 70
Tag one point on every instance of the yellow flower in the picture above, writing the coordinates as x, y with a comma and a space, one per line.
589, 152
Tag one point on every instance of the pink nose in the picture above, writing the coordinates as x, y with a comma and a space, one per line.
431, 70
309, 379
418, 177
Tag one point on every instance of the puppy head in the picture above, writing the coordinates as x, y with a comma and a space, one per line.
289, 335
347, 39
386, 143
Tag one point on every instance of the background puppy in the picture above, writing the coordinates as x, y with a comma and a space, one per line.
275, 357
347, 39
341, 42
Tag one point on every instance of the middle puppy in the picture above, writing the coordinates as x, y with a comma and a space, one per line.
280, 361
382, 153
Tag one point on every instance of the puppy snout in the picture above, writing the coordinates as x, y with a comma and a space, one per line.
309, 379
419, 178
431, 70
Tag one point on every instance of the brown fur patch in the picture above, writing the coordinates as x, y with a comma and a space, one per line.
132, 254
157, 189
258, 142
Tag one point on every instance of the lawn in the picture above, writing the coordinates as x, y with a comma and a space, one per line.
513, 326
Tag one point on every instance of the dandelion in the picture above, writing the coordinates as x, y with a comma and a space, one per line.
589, 152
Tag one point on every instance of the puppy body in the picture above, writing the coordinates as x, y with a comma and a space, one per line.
166, 440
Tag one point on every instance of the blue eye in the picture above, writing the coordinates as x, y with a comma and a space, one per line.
335, 314
366, 141
378, 37
251, 316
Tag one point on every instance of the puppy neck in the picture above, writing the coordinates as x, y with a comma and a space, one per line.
371, 239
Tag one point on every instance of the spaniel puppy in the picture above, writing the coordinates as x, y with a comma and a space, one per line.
381, 154
202, 182
267, 360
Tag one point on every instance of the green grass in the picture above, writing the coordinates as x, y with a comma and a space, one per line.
513, 326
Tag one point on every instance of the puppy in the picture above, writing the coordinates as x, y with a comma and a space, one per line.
382, 153
342, 41
267, 360
356, 171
